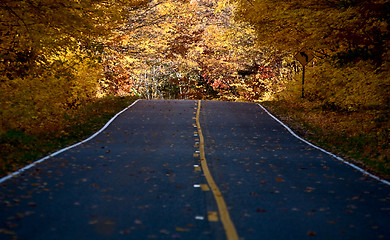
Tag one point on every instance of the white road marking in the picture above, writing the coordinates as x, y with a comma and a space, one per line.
64, 149
323, 150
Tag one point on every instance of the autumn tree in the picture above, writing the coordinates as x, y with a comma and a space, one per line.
50, 55
194, 48
349, 38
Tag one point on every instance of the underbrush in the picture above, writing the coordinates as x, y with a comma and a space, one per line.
19, 147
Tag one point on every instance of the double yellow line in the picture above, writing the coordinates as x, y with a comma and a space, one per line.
227, 223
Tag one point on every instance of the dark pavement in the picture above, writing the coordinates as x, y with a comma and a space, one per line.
139, 179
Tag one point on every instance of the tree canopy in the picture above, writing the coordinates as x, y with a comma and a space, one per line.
55, 55
187, 49
353, 29
50, 56
350, 40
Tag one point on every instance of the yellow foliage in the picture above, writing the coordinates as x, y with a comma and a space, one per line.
348, 88
35, 103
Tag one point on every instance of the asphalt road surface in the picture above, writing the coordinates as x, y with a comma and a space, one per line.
193, 170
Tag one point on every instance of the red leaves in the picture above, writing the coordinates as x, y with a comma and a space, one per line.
279, 179
260, 210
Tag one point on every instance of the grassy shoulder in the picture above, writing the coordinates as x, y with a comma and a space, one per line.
19, 148
359, 137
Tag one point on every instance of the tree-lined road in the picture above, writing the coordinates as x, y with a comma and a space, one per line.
144, 177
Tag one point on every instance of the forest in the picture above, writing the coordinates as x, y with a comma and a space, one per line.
57, 56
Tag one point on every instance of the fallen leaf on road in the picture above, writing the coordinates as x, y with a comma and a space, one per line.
179, 229
254, 194
279, 179
125, 231
137, 221
164, 231
7, 232
309, 189
93, 222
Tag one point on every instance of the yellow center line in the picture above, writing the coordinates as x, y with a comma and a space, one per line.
227, 223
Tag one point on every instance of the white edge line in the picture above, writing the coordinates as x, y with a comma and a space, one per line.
65, 149
323, 150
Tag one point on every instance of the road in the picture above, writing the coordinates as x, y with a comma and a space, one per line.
193, 170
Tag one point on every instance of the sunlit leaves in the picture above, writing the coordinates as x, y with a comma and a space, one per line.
188, 42
329, 26
50, 57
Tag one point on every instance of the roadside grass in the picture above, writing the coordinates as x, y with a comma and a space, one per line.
361, 137
18, 148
